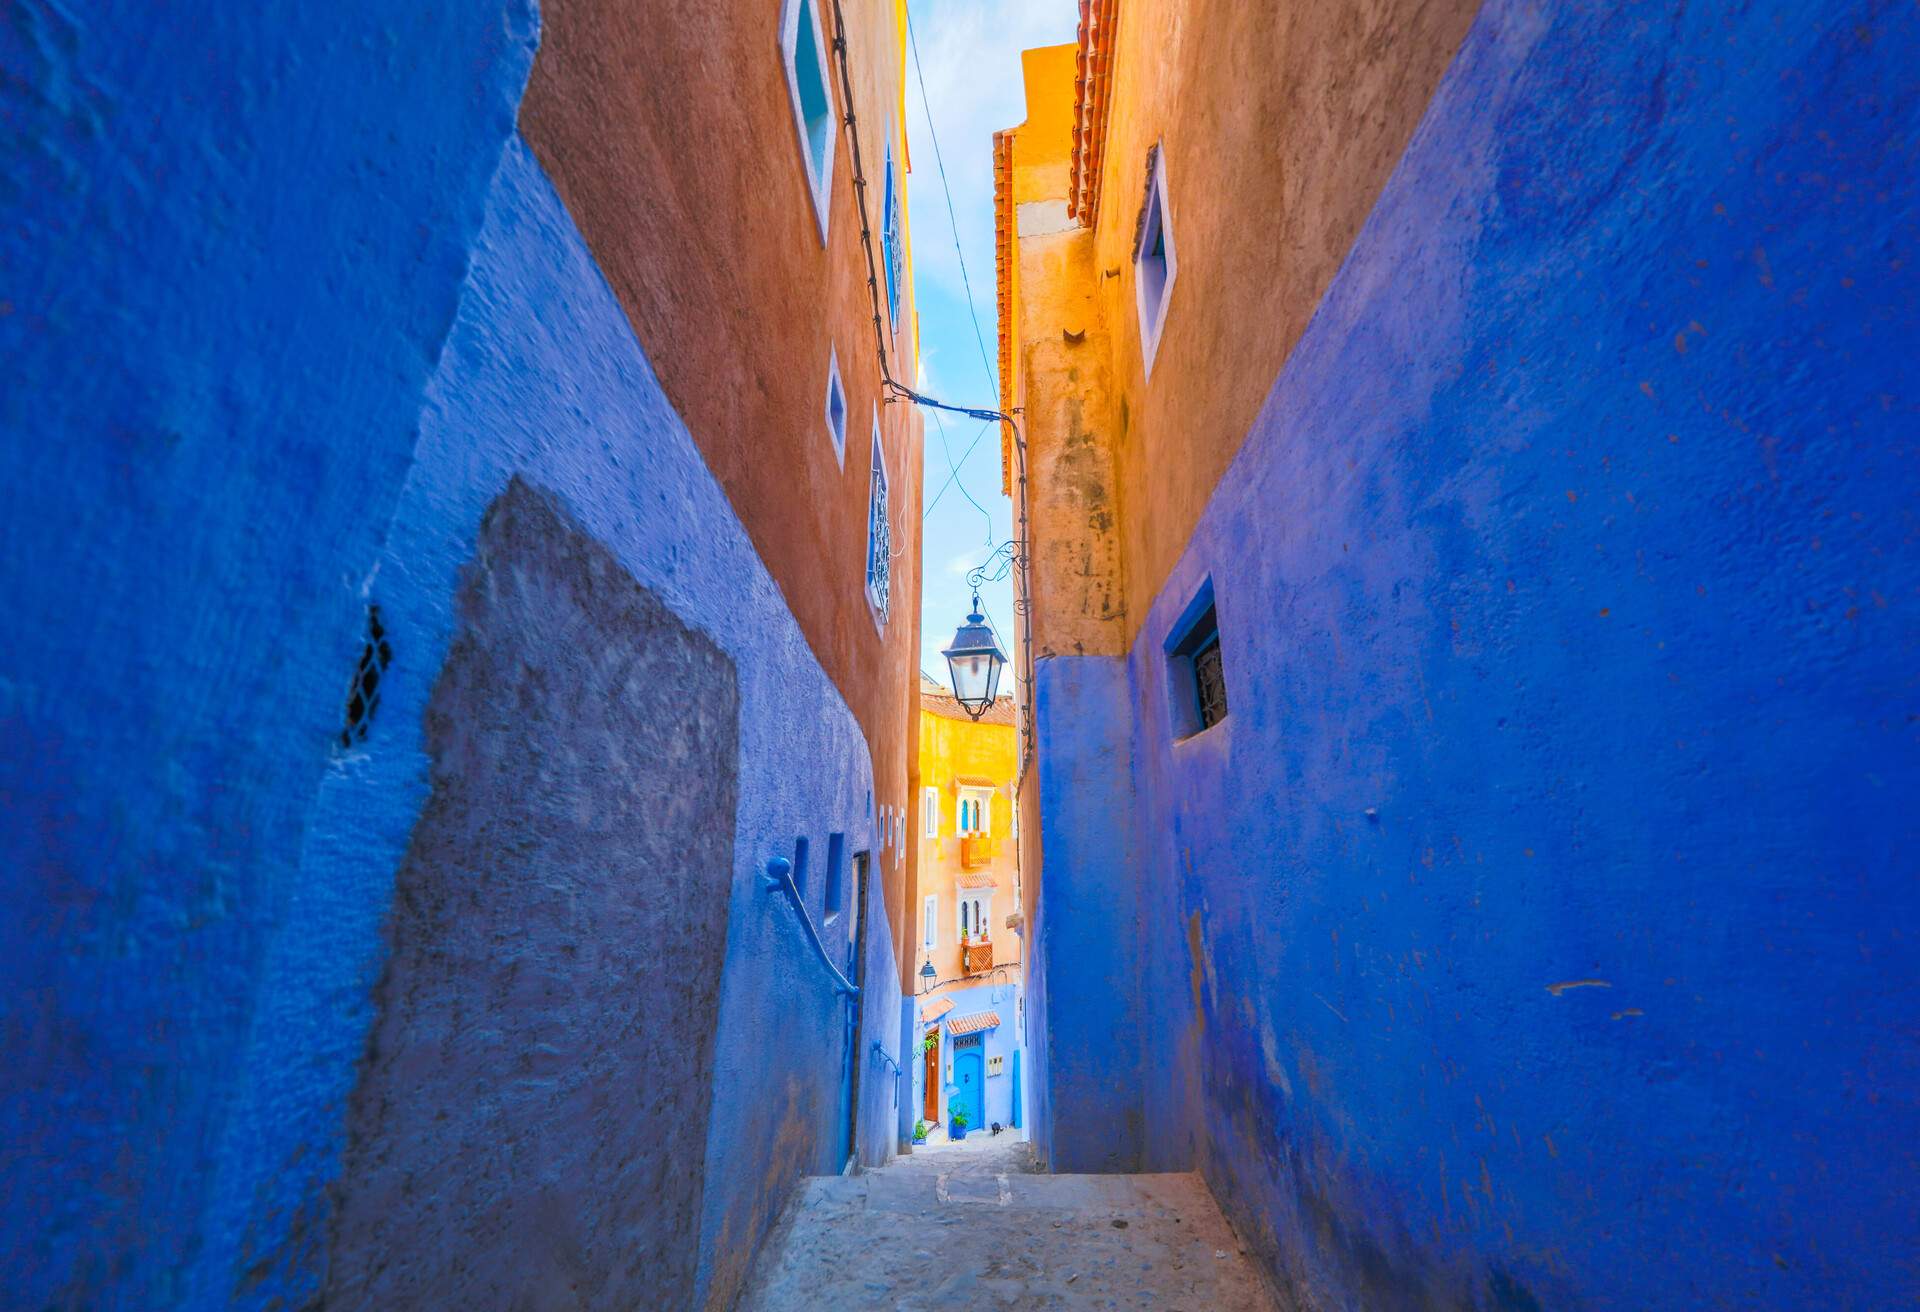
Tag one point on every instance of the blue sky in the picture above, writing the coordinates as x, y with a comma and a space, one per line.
971, 63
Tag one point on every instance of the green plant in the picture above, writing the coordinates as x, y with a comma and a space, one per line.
927, 1044
960, 1117
919, 1129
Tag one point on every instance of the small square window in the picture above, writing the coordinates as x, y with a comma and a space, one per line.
810, 90
1196, 672
836, 876
1154, 264
836, 409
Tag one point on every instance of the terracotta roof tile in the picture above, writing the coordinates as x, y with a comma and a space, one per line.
935, 1010
946, 704
979, 1020
1092, 95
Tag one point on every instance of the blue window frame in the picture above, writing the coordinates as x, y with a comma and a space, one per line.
890, 239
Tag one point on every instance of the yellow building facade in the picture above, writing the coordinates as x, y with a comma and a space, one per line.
966, 831
967, 936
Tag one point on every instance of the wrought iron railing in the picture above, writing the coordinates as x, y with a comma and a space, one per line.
779, 879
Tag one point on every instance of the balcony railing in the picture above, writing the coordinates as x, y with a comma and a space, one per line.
976, 958
976, 850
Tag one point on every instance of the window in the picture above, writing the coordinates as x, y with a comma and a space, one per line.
809, 89
1154, 265
836, 409
879, 535
930, 812
976, 810
930, 923
890, 237
976, 916
836, 858
363, 695
1196, 674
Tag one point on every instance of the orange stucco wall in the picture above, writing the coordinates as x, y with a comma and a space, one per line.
1331, 94
691, 192
1122, 464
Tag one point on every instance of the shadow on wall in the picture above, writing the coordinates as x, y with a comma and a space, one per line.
532, 1110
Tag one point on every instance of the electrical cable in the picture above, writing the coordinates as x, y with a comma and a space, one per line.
953, 221
895, 390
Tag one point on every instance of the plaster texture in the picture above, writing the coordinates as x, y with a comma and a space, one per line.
234, 247
212, 1097
543, 380
1543, 903
666, 128
970, 1225
1279, 125
1090, 1019
532, 1110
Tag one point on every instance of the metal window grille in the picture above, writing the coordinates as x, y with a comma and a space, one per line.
1210, 684
363, 695
879, 539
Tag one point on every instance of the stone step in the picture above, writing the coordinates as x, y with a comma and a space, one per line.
972, 1227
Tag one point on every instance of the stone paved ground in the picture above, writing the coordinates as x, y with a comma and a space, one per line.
971, 1226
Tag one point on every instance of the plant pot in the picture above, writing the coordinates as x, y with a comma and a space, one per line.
956, 1132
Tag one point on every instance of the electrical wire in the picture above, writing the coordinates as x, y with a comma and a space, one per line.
895, 390
953, 221
953, 473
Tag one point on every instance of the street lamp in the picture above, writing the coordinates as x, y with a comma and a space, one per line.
974, 662
927, 975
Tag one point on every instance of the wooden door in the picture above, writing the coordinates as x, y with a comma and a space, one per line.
930, 1111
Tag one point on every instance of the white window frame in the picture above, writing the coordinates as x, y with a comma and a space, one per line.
982, 798
1156, 222
836, 392
930, 921
819, 173
879, 545
930, 812
981, 903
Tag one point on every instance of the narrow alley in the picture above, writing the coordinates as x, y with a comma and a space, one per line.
958, 654
974, 1225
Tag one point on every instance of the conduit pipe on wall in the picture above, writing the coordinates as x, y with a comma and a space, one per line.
779, 879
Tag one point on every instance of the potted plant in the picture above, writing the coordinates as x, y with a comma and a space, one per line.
919, 1131
958, 1128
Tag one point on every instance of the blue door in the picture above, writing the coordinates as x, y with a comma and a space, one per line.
970, 1087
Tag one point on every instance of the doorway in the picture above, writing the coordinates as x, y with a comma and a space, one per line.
930, 1107
970, 1084
855, 972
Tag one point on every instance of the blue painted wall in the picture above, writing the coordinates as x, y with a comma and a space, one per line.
270, 385
1087, 1013
1538, 928
234, 247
